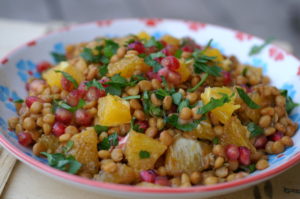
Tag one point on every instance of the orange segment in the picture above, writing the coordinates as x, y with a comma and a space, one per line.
85, 150
213, 52
171, 40
113, 111
54, 79
138, 142
143, 35
127, 66
184, 71
222, 113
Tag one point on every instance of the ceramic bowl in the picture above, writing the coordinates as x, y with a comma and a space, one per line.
17, 67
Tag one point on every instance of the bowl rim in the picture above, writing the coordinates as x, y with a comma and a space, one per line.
73, 179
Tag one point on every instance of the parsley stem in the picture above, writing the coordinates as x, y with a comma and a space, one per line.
203, 79
132, 97
207, 45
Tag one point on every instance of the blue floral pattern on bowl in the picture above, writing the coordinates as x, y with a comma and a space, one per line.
27, 69
8, 97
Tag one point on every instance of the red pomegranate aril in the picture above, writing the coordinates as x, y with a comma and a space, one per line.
58, 129
63, 115
42, 66
226, 78
188, 49
138, 46
82, 117
245, 154
25, 138
260, 142
151, 49
30, 99
174, 77
158, 59
148, 176
66, 84
163, 43
171, 63
103, 81
163, 72
142, 124
166, 51
232, 152
162, 180
153, 75
276, 136
82, 88
73, 97
94, 93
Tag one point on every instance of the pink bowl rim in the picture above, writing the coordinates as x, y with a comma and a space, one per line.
129, 188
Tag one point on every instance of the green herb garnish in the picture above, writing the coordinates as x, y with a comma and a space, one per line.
110, 48
154, 64
149, 108
64, 105
136, 127
247, 99
173, 121
103, 70
68, 77
178, 53
215, 140
99, 129
132, 97
153, 42
62, 162
111, 140
88, 55
94, 83
290, 104
144, 154
68, 146
256, 49
19, 101
183, 103
176, 98
214, 103
58, 57
161, 93
116, 84
254, 129
203, 79
245, 70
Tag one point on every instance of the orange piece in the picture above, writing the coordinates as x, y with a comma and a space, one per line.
127, 66
222, 113
138, 142
184, 71
236, 133
213, 52
113, 111
171, 40
143, 35
204, 131
85, 150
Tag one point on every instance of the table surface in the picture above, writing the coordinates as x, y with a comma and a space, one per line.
25, 182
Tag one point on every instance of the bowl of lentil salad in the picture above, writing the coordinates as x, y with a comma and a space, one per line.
158, 110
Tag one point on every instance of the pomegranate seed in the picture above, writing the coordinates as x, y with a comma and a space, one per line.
276, 136
166, 51
143, 125
260, 142
158, 59
82, 117
27, 85
173, 77
103, 81
58, 129
232, 152
63, 115
37, 86
73, 97
226, 78
148, 176
171, 63
42, 66
138, 46
24, 138
162, 180
66, 84
245, 154
163, 43
150, 50
188, 49
30, 99
163, 72
248, 89
82, 88
94, 93
153, 75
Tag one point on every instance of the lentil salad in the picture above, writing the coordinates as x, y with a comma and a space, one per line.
147, 112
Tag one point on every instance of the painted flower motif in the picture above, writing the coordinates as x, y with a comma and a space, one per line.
276, 54
295, 118
288, 153
259, 63
158, 34
298, 72
8, 97
217, 45
59, 48
104, 23
243, 36
152, 22
290, 88
27, 69
3, 124
196, 26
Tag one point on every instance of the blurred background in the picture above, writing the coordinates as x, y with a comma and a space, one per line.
264, 18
